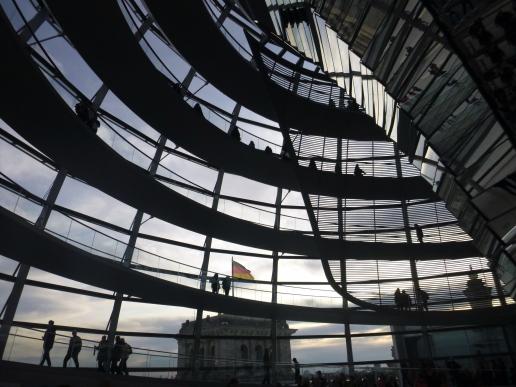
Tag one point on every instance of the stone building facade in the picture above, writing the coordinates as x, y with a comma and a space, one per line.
240, 357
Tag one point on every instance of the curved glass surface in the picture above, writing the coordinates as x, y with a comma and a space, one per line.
327, 72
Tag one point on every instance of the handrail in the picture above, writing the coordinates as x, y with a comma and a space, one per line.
382, 298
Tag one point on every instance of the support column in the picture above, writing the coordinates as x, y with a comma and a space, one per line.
206, 258
129, 250
204, 277
99, 96
310, 17
499, 288
144, 27
413, 267
274, 281
13, 300
224, 13
343, 279
187, 80
32, 26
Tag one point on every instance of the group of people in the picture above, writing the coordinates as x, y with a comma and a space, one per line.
357, 172
88, 114
74, 346
216, 284
425, 373
403, 301
112, 358
119, 355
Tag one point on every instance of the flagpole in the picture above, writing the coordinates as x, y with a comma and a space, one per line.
232, 284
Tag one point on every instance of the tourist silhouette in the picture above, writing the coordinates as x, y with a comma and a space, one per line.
405, 300
125, 351
74, 347
48, 342
297, 371
358, 171
266, 367
397, 298
116, 353
215, 286
226, 285
235, 133
423, 299
419, 232
87, 113
312, 164
102, 352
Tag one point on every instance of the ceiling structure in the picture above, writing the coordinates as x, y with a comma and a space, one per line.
288, 96
454, 91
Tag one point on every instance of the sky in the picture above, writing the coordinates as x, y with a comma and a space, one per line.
39, 305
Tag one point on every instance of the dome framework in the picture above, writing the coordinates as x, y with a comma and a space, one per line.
360, 228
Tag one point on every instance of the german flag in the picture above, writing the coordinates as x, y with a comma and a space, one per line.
239, 271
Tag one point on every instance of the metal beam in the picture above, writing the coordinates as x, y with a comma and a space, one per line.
128, 253
343, 274
197, 331
207, 250
412, 260
274, 281
14, 298
28, 30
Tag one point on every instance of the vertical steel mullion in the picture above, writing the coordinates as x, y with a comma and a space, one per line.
13, 300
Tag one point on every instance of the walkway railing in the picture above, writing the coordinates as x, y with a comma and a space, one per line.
490, 367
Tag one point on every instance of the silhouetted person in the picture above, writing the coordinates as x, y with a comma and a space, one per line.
235, 133
453, 369
215, 286
312, 164
405, 300
74, 347
125, 351
266, 367
397, 298
102, 352
338, 168
297, 371
433, 69
86, 112
358, 171
319, 380
226, 285
81, 109
115, 355
419, 232
176, 87
423, 299
48, 342
353, 105
251, 145
268, 149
